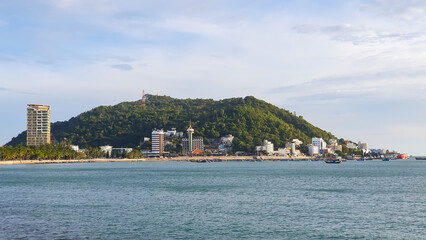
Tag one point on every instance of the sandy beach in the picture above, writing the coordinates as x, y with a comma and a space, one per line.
179, 159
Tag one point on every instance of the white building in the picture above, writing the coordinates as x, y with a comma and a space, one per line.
319, 142
297, 142
351, 145
157, 143
283, 152
267, 146
74, 147
107, 149
313, 150
227, 140
170, 133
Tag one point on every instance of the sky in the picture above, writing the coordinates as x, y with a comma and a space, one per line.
354, 68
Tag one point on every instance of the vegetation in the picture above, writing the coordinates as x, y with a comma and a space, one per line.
249, 119
45, 152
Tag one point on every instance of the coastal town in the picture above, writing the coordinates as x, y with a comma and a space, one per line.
180, 145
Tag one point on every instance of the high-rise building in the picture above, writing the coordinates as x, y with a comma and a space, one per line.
197, 143
38, 124
157, 143
189, 144
190, 131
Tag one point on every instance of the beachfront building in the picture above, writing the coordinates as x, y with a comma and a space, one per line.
197, 144
363, 146
267, 146
38, 124
284, 152
313, 150
334, 145
157, 147
320, 143
107, 149
120, 152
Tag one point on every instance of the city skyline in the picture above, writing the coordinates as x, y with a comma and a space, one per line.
353, 68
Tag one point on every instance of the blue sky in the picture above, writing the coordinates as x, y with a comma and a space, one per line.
354, 68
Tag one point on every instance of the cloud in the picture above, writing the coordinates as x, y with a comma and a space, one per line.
388, 86
16, 91
412, 11
123, 67
355, 34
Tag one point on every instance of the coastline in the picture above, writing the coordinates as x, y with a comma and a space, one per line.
177, 159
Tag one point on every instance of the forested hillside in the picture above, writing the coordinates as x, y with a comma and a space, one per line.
249, 119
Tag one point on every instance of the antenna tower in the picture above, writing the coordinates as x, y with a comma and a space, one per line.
143, 99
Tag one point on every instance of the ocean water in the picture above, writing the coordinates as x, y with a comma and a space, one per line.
227, 200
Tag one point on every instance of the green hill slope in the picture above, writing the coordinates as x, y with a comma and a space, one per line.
249, 119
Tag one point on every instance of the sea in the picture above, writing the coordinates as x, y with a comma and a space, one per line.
223, 200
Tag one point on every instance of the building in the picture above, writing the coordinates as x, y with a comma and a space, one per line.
189, 145
351, 145
38, 124
363, 146
190, 131
197, 143
297, 142
313, 150
171, 133
267, 146
107, 149
157, 148
74, 147
284, 152
320, 143
334, 145
120, 152
227, 140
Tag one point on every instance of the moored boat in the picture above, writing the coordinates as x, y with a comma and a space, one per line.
420, 158
335, 161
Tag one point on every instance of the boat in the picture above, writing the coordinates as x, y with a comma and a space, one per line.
334, 161
386, 159
361, 159
420, 158
402, 156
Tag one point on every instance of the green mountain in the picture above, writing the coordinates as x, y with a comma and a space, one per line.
249, 119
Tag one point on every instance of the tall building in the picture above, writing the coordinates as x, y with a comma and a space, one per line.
157, 143
197, 143
38, 124
190, 131
190, 144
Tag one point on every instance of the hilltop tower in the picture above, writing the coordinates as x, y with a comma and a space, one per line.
190, 131
143, 99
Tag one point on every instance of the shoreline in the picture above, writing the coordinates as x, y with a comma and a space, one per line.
177, 159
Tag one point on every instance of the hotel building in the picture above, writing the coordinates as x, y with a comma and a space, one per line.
157, 143
38, 124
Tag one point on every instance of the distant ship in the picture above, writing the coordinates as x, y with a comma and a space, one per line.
420, 158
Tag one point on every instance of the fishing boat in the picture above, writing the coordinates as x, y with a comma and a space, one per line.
334, 161
420, 158
386, 159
